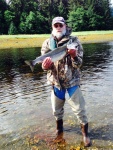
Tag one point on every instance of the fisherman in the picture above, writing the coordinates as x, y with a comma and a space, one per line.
64, 76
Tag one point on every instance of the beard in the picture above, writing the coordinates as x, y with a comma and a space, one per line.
58, 35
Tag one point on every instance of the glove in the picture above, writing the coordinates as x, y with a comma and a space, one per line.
47, 63
72, 52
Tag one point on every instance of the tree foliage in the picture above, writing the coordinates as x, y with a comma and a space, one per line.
35, 16
3, 8
85, 19
12, 29
91, 15
32, 23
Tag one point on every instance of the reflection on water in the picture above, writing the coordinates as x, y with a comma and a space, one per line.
25, 107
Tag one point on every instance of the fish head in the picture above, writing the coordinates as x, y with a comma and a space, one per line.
73, 44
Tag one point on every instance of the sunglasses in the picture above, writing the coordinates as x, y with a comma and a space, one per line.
58, 25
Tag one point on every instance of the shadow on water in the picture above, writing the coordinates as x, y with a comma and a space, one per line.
105, 132
25, 108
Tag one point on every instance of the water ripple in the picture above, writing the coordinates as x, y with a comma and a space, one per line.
25, 103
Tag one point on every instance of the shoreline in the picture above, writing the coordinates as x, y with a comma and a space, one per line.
28, 41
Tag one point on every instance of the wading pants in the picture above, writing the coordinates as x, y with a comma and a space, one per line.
76, 102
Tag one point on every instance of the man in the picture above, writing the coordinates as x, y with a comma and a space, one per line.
64, 76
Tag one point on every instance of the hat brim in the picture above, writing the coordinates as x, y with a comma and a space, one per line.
58, 22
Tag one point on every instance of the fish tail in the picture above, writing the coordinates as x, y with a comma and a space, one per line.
29, 63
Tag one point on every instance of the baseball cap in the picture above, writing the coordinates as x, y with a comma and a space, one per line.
58, 20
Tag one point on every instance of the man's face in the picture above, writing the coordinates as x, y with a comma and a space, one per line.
59, 30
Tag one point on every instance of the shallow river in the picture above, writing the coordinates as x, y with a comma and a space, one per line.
26, 120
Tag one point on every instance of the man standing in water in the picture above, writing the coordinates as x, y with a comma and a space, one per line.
64, 76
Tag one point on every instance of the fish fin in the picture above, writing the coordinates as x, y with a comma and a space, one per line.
29, 63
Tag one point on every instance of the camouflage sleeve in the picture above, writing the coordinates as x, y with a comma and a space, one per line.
45, 47
77, 61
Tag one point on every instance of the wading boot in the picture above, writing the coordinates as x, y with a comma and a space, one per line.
59, 131
86, 138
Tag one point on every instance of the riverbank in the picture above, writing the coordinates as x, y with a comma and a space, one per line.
23, 41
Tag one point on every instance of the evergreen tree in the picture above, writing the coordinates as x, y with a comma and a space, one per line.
3, 8
12, 29
35, 16
20, 7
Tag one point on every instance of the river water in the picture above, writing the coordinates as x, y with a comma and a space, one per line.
26, 120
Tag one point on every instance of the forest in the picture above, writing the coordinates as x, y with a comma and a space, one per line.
35, 16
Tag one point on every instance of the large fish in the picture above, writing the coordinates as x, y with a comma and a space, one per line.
55, 55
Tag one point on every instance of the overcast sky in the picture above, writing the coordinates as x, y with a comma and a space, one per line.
111, 2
